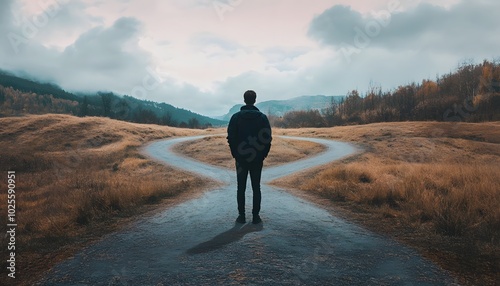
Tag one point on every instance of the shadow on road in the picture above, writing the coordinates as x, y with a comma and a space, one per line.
235, 233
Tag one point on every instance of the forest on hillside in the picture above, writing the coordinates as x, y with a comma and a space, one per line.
469, 94
20, 96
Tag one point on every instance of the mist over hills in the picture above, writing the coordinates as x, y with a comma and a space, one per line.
281, 107
25, 96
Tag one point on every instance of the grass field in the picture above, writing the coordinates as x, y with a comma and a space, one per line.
435, 186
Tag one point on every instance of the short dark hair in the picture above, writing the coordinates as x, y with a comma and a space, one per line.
250, 97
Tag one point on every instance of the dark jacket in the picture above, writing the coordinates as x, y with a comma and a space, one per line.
249, 135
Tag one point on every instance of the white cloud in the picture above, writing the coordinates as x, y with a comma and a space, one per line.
464, 28
181, 52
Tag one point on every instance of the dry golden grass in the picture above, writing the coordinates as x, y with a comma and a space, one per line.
435, 186
76, 177
215, 150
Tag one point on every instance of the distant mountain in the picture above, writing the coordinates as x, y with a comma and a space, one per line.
280, 107
21, 96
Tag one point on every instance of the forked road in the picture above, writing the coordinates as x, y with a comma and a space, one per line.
198, 243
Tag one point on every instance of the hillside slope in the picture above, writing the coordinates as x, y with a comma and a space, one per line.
23, 96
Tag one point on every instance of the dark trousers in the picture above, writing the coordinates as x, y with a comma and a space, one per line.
255, 170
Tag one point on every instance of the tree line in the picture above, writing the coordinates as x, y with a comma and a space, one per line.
470, 94
14, 102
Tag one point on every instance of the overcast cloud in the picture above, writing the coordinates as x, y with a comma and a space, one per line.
202, 54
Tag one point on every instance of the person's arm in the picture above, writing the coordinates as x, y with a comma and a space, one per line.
232, 135
267, 145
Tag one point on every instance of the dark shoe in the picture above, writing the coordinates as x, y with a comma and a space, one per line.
241, 219
256, 219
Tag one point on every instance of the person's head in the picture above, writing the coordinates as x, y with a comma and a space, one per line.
250, 97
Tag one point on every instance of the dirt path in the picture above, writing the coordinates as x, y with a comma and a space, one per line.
198, 243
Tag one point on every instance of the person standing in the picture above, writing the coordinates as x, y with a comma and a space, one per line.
249, 136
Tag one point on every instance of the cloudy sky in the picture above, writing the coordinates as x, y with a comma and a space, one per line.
203, 54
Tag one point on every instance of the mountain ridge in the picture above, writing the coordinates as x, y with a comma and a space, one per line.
280, 107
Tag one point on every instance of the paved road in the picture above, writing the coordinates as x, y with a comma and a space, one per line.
198, 243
